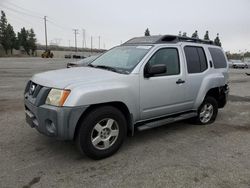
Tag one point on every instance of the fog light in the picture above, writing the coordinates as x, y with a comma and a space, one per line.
50, 126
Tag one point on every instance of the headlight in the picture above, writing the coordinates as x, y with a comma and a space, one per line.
57, 97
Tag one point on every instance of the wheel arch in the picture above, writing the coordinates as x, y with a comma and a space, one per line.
117, 104
218, 94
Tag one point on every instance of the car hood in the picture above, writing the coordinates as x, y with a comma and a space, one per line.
63, 78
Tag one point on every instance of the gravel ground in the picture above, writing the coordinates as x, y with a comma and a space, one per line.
177, 155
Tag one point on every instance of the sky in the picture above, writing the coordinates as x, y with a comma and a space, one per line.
117, 21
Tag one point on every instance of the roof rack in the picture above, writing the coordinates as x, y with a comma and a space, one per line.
166, 39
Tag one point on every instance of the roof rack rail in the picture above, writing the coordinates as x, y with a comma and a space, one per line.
166, 39
189, 39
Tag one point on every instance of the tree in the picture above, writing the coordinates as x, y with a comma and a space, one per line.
195, 35
147, 32
9, 40
12, 38
217, 40
247, 54
23, 40
7, 34
9, 37
32, 41
3, 26
184, 34
206, 36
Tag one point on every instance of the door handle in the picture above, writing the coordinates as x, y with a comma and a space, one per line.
180, 81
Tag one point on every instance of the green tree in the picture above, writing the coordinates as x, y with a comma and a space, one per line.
206, 36
23, 40
247, 54
3, 26
9, 38
32, 41
7, 34
217, 40
12, 38
147, 32
195, 35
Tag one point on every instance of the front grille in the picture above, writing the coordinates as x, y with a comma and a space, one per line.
34, 89
35, 93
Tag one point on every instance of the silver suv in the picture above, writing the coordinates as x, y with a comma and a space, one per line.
144, 83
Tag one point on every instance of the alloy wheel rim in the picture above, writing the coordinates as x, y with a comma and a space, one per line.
206, 113
104, 134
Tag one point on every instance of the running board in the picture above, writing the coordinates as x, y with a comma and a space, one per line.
165, 121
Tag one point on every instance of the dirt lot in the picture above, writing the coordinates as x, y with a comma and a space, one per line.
177, 155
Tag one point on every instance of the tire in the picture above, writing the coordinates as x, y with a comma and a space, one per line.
101, 132
207, 111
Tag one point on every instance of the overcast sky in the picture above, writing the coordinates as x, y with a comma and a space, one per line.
117, 21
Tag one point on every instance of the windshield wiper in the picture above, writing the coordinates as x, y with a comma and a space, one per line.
106, 67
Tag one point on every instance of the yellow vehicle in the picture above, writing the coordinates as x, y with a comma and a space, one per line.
47, 54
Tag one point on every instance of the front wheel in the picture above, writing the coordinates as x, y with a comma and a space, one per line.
102, 132
207, 112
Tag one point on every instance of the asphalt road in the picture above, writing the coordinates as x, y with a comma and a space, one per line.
176, 155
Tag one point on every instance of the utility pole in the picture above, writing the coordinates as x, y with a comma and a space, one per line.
69, 43
83, 38
45, 20
76, 32
99, 42
91, 43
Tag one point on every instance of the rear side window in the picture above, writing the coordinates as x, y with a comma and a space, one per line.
218, 57
196, 59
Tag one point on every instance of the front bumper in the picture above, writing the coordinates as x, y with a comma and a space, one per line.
59, 122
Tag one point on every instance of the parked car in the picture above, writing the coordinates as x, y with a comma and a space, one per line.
82, 63
74, 56
67, 56
78, 56
144, 83
230, 64
248, 64
239, 64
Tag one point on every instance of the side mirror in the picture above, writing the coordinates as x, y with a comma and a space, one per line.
155, 69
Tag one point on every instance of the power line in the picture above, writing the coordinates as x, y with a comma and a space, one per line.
18, 18
22, 21
58, 25
21, 12
16, 9
33, 15
24, 9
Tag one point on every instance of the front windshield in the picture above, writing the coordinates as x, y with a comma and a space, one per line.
122, 58
87, 60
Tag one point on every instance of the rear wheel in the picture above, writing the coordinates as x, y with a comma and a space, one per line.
102, 132
207, 112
